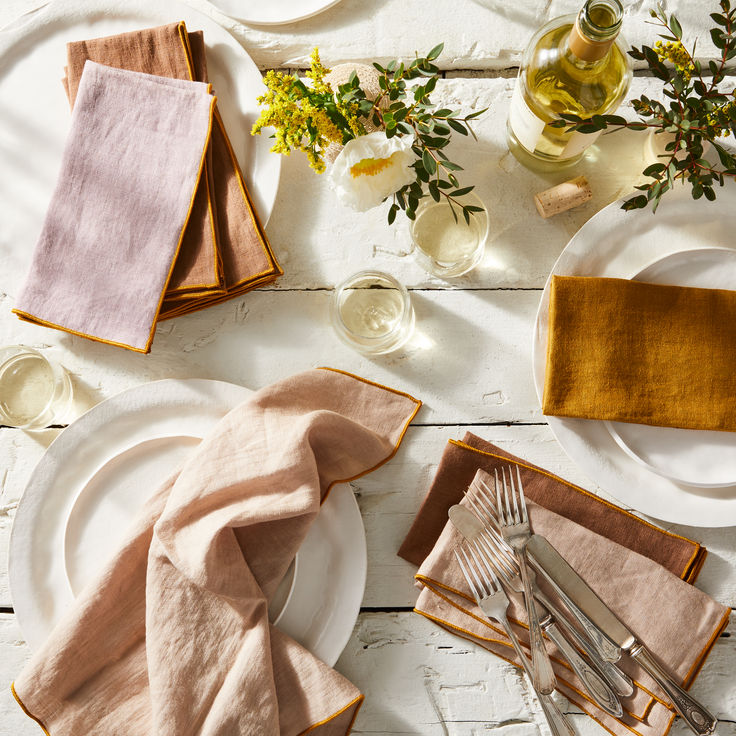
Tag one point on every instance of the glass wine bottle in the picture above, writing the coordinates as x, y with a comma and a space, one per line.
575, 65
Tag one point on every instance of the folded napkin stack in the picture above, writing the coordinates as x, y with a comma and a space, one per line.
638, 352
104, 268
173, 637
643, 573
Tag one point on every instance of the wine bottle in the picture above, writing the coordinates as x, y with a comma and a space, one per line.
573, 65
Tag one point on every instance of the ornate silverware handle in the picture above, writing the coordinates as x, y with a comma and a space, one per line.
604, 646
693, 713
597, 687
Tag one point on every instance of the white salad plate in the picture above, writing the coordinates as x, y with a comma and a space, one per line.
698, 458
272, 12
619, 244
36, 117
93, 479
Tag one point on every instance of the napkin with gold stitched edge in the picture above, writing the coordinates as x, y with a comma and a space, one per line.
637, 352
114, 224
235, 258
678, 622
458, 466
172, 638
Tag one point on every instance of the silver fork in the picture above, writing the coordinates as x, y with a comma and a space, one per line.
514, 525
493, 601
484, 508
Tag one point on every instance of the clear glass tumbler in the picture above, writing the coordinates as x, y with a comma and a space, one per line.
447, 247
372, 312
34, 391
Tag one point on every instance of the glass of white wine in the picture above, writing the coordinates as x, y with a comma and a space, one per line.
446, 245
34, 391
372, 312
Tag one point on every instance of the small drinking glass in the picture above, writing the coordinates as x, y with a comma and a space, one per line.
447, 247
34, 392
372, 312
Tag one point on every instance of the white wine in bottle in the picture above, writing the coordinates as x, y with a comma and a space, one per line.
573, 65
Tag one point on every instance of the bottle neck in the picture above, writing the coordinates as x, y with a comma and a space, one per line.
595, 30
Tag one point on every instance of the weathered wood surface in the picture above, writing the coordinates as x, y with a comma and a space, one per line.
469, 362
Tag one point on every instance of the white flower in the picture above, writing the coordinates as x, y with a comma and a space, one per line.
371, 168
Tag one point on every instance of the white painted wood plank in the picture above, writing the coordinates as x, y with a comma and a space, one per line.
422, 681
389, 499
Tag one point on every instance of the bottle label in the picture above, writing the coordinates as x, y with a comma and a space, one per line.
578, 143
526, 125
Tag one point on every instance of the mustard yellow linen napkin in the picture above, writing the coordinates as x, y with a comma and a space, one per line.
646, 353
173, 637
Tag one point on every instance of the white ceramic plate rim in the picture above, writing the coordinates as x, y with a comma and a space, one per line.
28, 601
611, 425
587, 442
259, 13
262, 169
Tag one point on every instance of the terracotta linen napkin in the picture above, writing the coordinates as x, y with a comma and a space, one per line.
678, 622
226, 252
173, 637
644, 353
115, 225
610, 527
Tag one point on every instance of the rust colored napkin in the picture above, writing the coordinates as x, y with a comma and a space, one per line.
173, 637
114, 225
646, 353
652, 567
225, 252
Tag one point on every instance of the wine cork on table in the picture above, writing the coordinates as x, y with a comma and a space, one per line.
563, 197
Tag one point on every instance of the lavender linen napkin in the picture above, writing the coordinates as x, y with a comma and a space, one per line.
129, 172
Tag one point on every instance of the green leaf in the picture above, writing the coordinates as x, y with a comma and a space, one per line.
451, 166
457, 127
654, 169
434, 190
429, 163
462, 192
466, 215
392, 213
476, 114
676, 27
635, 203
718, 18
718, 38
436, 51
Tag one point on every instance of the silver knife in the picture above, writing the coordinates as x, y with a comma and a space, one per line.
694, 714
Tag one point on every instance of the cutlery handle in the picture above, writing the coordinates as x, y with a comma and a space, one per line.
556, 720
543, 674
606, 649
693, 713
619, 681
596, 686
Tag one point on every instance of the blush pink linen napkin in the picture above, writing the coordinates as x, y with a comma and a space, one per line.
129, 172
173, 637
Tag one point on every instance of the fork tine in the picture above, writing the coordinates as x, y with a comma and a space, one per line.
468, 573
517, 516
524, 515
486, 562
509, 516
499, 561
483, 506
486, 586
499, 506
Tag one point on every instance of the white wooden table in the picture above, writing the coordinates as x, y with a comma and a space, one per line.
470, 361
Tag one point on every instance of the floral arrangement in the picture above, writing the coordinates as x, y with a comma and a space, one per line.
698, 112
386, 137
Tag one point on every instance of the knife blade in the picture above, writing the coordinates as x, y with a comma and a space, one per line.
695, 715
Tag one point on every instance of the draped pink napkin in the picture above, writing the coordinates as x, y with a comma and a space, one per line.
173, 638
129, 173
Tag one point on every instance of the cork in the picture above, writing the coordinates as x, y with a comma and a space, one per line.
586, 48
563, 197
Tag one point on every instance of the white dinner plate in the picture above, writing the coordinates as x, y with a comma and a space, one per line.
35, 112
698, 458
87, 488
617, 244
272, 12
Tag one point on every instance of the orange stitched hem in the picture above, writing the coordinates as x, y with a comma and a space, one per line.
471, 637
358, 702
610, 505
430, 583
398, 442
700, 661
26, 711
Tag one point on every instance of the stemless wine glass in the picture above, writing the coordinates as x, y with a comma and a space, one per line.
446, 246
34, 391
372, 312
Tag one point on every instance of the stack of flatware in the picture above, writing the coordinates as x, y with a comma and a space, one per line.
500, 557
